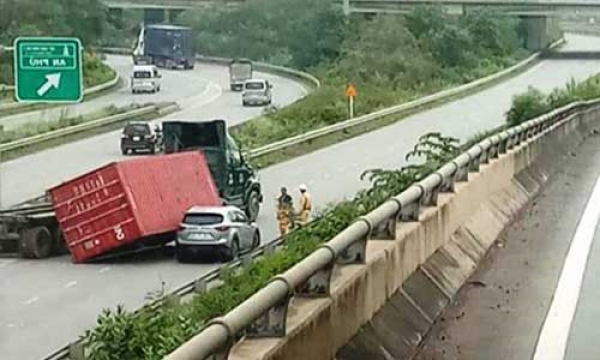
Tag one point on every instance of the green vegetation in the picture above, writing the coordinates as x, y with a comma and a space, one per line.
41, 127
534, 103
153, 333
390, 59
37, 128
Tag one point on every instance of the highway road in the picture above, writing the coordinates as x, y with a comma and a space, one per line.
41, 297
192, 89
540, 295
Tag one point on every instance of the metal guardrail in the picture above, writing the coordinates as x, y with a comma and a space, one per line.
13, 145
86, 92
264, 313
261, 66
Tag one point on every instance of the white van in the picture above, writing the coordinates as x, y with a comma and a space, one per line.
145, 78
257, 91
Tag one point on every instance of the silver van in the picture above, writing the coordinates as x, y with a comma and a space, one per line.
257, 92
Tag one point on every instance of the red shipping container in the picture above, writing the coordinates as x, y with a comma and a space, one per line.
123, 202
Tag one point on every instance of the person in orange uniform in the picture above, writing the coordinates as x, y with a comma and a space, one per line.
305, 206
285, 207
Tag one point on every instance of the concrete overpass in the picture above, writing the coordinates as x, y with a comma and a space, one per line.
520, 8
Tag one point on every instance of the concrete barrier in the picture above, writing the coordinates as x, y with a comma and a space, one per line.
419, 271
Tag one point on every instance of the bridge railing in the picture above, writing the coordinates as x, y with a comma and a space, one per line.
264, 314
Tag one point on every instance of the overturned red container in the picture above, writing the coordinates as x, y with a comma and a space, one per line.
129, 203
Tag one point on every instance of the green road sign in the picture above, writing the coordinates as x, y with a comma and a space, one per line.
48, 69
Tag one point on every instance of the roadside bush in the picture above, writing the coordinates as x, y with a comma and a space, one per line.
526, 106
152, 334
390, 59
534, 103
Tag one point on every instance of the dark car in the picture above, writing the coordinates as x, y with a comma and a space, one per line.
140, 136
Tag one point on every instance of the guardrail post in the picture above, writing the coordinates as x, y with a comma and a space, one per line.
474, 163
76, 351
273, 322
503, 143
223, 353
462, 173
200, 286
410, 212
319, 284
356, 253
386, 230
429, 198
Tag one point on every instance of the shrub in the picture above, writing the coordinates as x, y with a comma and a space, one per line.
533, 103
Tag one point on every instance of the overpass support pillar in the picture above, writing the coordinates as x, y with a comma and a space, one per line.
537, 34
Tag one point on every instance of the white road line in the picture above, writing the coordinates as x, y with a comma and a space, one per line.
70, 284
552, 342
104, 269
31, 301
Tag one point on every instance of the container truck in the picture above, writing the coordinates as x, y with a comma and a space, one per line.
236, 181
165, 46
119, 207
240, 70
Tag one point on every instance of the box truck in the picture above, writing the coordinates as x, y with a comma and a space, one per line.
240, 70
166, 46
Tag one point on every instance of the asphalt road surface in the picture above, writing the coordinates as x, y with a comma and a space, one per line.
538, 288
50, 302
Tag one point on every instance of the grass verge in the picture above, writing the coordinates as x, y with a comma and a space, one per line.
342, 135
47, 144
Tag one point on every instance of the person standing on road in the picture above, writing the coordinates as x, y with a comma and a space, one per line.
285, 207
305, 206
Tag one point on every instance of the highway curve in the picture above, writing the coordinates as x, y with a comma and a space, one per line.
50, 302
40, 300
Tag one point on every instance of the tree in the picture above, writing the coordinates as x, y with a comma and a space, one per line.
386, 50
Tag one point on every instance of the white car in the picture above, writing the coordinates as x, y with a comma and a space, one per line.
257, 91
223, 230
145, 78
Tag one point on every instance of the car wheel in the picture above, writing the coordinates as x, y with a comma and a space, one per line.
253, 206
153, 150
244, 103
256, 240
123, 151
233, 251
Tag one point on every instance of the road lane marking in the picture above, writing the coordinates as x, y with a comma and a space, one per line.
104, 269
31, 300
70, 284
552, 342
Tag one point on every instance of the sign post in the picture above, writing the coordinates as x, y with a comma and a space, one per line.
350, 95
48, 70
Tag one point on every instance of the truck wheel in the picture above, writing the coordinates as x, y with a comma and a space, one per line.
256, 240
59, 242
36, 243
253, 206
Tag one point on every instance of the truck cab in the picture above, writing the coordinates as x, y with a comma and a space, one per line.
236, 181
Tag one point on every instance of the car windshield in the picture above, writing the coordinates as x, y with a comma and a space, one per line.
255, 86
142, 74
202, 219
137, 129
